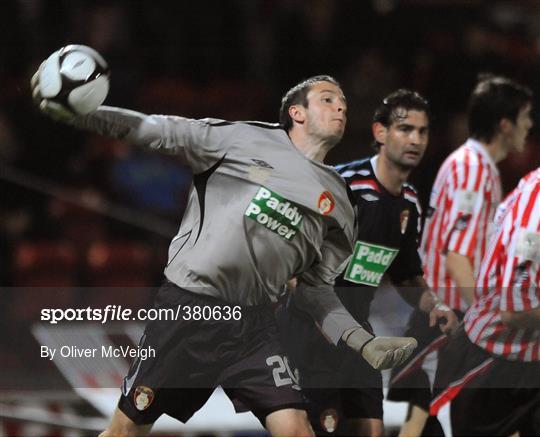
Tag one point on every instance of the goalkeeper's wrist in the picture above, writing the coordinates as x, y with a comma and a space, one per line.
356, 338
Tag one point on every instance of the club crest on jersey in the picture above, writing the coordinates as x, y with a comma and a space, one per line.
143, 397
329, 420
326, 203
275, 213
404, 220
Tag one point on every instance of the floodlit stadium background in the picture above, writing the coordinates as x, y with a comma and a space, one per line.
79, 212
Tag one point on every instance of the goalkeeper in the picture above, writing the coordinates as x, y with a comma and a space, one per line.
345, 395
262, 209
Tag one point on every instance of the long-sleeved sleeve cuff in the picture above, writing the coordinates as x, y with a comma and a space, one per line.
326, 309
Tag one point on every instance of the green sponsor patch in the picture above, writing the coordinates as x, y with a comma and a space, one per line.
369, 262
276, 213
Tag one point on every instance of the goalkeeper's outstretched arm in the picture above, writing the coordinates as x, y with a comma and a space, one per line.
197, 142
338, 325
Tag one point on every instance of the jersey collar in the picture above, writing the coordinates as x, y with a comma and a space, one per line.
479, 148
373, 162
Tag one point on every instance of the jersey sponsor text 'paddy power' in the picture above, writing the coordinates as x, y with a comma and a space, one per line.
275, 213
369, 262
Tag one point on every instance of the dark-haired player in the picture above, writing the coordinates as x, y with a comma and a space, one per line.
463, 200
262, 209
340, 386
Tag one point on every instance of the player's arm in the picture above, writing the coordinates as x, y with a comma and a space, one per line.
338, 325
460, 269
520, 273
416, 293
315, 294
198, 143
522, 319
520, 270
468, 203
407, 275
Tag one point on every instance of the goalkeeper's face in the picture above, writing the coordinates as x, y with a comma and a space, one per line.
326, 112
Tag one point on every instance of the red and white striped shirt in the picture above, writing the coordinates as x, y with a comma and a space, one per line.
463, 200
509, 278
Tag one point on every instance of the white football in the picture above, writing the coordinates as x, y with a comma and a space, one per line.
75, 76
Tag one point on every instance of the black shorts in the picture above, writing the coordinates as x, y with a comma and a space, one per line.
411, 381
337, 382
193, 357
489, 395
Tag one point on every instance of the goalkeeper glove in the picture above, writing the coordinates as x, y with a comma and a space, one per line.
380, 352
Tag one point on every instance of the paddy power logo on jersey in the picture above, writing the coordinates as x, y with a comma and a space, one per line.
369, 262
275, 213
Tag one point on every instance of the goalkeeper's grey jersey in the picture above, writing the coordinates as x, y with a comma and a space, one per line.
259, 211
